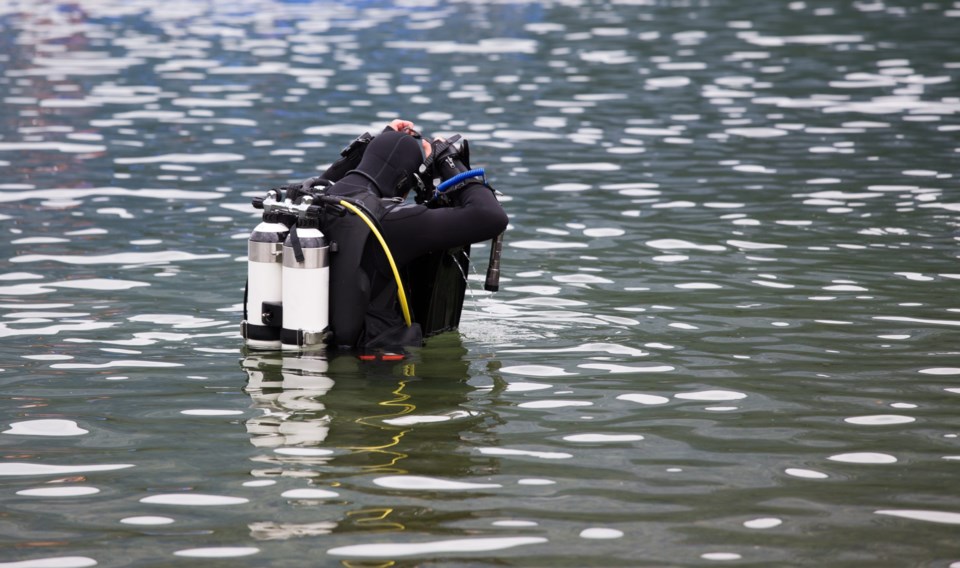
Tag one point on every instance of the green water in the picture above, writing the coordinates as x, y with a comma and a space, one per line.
725, 335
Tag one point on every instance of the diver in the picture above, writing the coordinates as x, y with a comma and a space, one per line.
365, 311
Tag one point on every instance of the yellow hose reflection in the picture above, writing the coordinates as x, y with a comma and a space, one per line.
401, 407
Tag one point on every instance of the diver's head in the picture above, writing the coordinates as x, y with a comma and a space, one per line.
425, 146
392, 161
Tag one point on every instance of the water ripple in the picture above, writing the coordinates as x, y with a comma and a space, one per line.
48, 427
17, 469
391, 550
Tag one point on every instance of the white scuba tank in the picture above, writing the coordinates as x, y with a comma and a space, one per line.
264, 282
306, 288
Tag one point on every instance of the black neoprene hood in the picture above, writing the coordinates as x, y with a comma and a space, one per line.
390, 161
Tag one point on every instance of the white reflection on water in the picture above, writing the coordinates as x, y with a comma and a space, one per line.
52, 562
391, 550
722, 556
941, 371
509, 523
217, 552
918, 320
210, 412
46, 427
413, 419
549, 404
268, 530
309, 494
193, 500
417, 483
526, 387
147, 521
17, 468
68, 491
880, 420
864, 457
160, 257
697, 286
535, 370
68, 195
178, 321
805, 473
51, 146
604, 232
618, 369
114, 364
304, 452
600, 533
603, 438
645, 399
680, 244
536, 482
943, 517
524, 453
711, 395
763, 523
544, 245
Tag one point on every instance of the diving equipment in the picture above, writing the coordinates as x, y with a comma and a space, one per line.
306, 284
334, 263
260, 328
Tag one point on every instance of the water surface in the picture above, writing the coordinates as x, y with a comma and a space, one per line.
725, 332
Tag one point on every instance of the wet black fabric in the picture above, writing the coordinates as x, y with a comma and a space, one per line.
389, 163
473, 215
349, 283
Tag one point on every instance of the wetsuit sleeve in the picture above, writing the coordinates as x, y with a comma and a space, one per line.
413, 231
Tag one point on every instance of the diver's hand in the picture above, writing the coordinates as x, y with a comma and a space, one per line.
401, 125
407, 127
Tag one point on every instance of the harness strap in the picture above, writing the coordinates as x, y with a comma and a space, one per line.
440, 148
259, 332
401, 293
295, 242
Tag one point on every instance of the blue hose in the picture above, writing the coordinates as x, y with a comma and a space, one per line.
478, 172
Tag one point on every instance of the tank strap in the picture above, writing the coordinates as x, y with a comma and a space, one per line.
303, 338
259, 332
295, 243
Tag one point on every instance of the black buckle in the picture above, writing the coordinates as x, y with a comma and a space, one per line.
361, 140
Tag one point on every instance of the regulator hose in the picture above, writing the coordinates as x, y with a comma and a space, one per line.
478, 172
401, 294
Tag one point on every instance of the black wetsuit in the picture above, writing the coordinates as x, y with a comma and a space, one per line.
471, 215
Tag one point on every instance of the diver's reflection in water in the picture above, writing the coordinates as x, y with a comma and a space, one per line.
328, 420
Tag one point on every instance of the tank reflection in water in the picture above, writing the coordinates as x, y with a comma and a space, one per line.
374, 425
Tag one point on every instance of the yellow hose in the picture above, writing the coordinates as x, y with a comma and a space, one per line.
393, 265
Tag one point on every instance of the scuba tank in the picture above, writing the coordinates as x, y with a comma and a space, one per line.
260, 327
306, 285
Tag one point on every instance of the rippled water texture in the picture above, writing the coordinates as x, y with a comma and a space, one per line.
726, 332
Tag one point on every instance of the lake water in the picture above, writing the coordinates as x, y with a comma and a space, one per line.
726, 332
